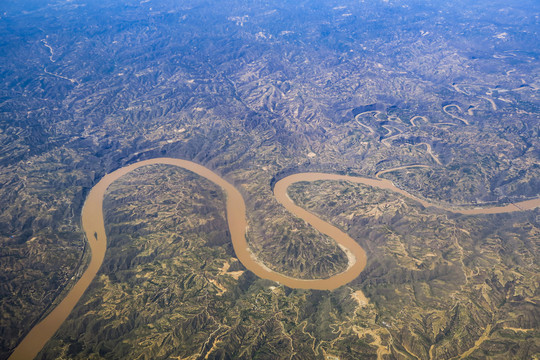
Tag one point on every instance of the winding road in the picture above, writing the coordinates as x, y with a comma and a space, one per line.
93, 223
445, 109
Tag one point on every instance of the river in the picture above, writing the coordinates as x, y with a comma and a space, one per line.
93, 224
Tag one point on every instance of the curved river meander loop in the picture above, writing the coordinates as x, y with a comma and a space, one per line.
94, 227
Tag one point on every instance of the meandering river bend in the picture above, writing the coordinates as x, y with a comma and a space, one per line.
93, 224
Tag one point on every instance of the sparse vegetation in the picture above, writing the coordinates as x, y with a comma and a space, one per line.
256, 92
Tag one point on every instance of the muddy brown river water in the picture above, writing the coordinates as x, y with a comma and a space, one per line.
93, 224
